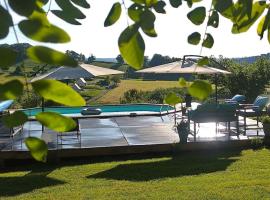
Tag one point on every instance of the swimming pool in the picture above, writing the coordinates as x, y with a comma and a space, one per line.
106, 109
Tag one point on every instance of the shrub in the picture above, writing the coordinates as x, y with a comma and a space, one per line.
116, 79
104, 82
265, 120
95, 87
133, 96
28, 101
247, 79
155, 96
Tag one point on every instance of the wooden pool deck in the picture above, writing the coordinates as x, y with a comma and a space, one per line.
123, 135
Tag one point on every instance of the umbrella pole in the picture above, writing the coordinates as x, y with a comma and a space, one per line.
42, 109
216, 87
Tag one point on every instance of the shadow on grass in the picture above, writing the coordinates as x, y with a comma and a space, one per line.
179, 165
36, 179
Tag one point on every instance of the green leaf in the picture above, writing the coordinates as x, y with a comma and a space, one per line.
82, 3
190, 2
172, 99
247, 7
15, 119
70, 9
5, 22
264, 24
135, 11
139, 1
176, 3
213, 20
200, 89
56, 122
58, 92
225, 8
268, 35
159, 7
27, 7
203, 61
37, 148
113, 15
38, 28
66, 17
194, 38
132, 47
182, 82
41, 3
150, 3
11, 90
242, 22
69, 12
42, 54
147, 23
197, 15
209, 41
9, 55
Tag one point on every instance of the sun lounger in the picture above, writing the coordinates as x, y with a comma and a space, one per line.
253, 110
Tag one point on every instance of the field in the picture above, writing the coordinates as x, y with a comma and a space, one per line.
233, 174
114, 95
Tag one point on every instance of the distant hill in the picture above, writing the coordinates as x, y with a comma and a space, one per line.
109, 60
251, 59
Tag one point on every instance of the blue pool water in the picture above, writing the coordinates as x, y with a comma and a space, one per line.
104, 109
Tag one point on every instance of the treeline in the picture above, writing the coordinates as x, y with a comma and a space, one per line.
249, 79
81, 57
19, 48
157, 59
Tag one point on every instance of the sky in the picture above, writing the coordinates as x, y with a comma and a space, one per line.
172, 28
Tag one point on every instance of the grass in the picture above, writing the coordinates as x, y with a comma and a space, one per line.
115, 94
88, 94
233, 174
4, 77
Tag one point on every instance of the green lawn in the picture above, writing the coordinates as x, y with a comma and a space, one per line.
218, 175
114, 95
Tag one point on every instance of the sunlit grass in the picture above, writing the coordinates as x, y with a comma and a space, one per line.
200, 175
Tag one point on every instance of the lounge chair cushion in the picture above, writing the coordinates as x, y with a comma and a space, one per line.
238, 98
259, 103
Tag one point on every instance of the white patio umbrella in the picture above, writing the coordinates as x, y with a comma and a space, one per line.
82, 71
173, 67
70, 73
186, 67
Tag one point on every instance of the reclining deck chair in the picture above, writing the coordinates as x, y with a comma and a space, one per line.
8, 132
253, 110
238, 98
